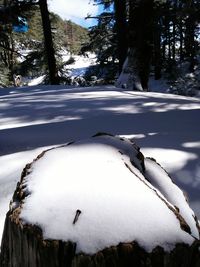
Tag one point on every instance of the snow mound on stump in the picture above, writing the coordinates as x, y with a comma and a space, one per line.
100, 192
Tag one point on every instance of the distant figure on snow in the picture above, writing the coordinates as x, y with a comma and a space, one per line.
18, 80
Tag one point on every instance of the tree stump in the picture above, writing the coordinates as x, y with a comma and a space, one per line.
24, 245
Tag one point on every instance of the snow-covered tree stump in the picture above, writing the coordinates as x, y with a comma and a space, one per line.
98, 203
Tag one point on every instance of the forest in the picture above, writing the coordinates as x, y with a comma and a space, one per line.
99, 134
24, 52
138, 38
157, 37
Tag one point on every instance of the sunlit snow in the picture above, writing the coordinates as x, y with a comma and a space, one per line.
39, 116
172, 159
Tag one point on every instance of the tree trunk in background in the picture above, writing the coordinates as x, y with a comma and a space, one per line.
141, 21
190, 42
157, 50
169, 42
121, 28
174, 39
181, 56
136, 69
190, 25
53, 74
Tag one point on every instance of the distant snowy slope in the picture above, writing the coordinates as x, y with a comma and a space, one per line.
81, 63
165, 126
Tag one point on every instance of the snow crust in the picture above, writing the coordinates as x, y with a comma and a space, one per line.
117, 203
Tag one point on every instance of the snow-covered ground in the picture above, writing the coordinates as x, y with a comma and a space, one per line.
76, 69
81, 63
165, 126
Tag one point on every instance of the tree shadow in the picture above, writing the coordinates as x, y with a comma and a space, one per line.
48, 116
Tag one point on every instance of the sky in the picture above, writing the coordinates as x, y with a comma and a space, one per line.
75, 10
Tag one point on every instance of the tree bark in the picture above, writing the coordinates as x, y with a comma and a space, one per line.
189, 41
53, 74
121, 28
174, 40
181, 55
23, 246
141, 23
157, 51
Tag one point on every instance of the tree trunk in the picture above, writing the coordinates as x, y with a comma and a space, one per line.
169, 42
24, 247
181, 40
190, 42
53, 74
121, 28
23, 244
190, 25
141, 23
157, 52
174, 40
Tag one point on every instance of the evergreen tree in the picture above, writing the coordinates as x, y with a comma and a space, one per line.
14, 9
103, 43
10, 11
161, 33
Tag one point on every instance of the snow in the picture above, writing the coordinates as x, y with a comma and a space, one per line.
81, 63
11, 168
115, 203
32, 118
157, 177
37, 81
172, 159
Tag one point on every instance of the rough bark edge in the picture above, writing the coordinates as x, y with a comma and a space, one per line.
30, 250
